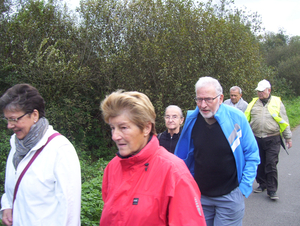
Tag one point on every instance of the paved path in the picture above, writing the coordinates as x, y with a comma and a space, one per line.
261, 211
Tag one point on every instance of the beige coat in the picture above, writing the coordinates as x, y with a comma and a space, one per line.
263, 124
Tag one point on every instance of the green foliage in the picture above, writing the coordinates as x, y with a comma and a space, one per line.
273, 41
282, 54
168, 45
4, 151
292, 107
91, 197
158, 47
91, 202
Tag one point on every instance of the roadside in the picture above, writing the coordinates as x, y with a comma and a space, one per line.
261, 211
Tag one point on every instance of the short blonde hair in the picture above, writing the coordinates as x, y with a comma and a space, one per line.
136, 105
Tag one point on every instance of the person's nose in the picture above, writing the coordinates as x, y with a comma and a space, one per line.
115, 135
10, 125
202, 104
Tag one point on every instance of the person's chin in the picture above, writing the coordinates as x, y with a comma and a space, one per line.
206, 115
124, 153
172, 128
20, 135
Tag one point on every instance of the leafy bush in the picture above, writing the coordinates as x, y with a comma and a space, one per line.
4, 151
292, 107
91, 196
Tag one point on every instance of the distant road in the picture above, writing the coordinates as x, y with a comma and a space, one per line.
261, 211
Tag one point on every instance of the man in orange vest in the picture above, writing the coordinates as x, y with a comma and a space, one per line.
269, 121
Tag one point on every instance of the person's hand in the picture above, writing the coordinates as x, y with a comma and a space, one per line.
7, 217
288, 143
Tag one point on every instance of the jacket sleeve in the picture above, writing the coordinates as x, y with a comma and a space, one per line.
104, 184
287, 133
185, 147
251, 158
68, 184
185, 206
5, 204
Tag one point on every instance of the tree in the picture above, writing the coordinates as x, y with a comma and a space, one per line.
158, 47
168, 45
282, 55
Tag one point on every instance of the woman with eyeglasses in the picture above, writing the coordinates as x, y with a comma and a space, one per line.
144, 184
43, 179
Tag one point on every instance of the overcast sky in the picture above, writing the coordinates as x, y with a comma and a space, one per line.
275, 14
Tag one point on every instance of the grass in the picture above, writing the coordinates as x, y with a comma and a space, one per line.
292, 107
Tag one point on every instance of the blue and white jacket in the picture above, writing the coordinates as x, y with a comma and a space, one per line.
240, 138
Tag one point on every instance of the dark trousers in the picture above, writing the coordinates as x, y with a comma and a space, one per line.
267, 175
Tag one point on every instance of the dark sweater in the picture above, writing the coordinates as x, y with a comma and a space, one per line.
167, 141
215, 168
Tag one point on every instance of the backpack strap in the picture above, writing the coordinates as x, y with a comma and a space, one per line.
158, 136
29, 164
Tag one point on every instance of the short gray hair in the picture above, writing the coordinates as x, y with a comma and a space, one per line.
204, 81
175, 106
236, 88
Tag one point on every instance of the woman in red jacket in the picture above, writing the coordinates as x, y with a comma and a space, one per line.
144, 184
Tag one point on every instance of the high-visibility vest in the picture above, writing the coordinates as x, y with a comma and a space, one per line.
274, 110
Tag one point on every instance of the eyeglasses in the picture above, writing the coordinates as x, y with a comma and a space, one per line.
14, 120
168, 117
208, 100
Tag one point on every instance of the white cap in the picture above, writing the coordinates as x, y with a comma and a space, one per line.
262, 85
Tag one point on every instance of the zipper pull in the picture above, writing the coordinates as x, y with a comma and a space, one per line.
147, 164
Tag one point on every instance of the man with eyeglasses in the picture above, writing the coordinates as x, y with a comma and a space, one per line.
173, 119
219, 148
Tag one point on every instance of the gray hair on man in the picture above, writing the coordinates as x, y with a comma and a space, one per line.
175, 106
233, 88
205, 81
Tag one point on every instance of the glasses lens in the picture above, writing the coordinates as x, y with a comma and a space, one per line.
171, 117
11, 121
198, 100
208, 100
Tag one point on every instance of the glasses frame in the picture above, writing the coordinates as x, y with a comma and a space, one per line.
14, 120
207, 100
172, 117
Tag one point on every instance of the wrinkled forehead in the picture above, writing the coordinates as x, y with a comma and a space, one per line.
234, 92
172, 111
207, 91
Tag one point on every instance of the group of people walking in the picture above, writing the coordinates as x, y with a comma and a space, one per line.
154, 179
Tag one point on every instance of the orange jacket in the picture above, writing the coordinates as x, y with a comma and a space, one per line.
153, 187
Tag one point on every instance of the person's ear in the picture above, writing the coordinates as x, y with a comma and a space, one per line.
35, 114
181, 120
221, 98
147, 129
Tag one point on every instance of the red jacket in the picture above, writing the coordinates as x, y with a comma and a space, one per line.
153, 187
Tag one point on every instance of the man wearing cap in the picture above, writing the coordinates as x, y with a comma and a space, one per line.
236, 99
269, 121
